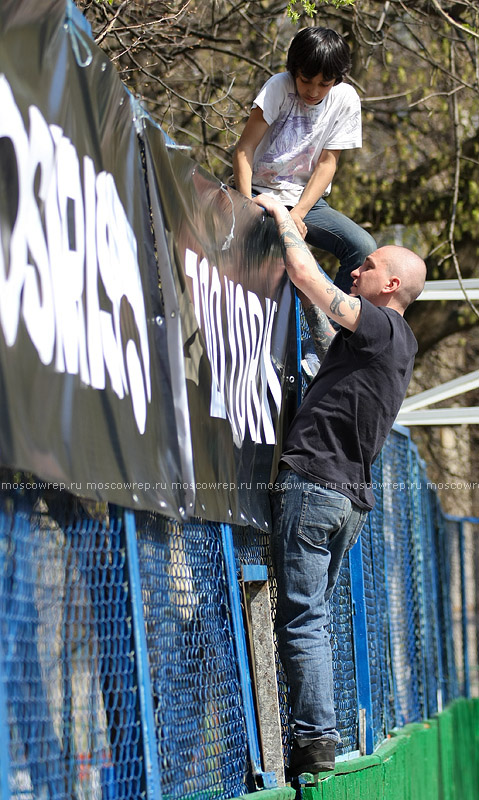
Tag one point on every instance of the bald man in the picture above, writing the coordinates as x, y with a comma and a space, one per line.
323, 490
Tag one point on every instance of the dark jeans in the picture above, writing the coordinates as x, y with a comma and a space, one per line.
313, 527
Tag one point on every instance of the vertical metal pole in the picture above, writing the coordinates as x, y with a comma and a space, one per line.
4, 737
4, 729
465, 645
436, 543
360, 636
259, 626
242, 655
153, 784
297, 309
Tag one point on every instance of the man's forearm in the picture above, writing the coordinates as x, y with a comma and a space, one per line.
303, 272
322, 332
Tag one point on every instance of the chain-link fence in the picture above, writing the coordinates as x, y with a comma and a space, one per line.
121, 670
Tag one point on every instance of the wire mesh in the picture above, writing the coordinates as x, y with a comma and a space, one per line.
67, 662
345, 689
452, 548
429, 619
252, 546
471, 605
196, 691
449, 683
402, 581
375, 590
70, 696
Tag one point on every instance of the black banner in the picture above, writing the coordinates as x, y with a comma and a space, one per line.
147, 344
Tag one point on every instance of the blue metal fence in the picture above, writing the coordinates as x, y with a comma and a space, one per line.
71, 716
121, 670
124, 662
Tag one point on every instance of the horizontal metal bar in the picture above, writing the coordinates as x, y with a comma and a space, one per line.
440, 416
450, 290
254, 572
448, 389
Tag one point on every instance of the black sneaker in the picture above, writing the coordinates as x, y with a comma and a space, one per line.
318, 756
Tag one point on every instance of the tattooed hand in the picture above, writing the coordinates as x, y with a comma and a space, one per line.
303, 271
289, 236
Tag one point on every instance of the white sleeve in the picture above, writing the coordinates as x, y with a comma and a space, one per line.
346, 131
272, 96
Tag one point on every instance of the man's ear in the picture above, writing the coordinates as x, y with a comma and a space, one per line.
393, 284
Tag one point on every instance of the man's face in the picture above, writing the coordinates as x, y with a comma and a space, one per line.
371, 277
313, 90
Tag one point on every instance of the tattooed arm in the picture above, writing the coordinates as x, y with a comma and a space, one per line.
303, 272
320, 328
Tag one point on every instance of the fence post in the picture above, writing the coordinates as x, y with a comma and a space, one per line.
147, 721
4, 728
4, 733
465, 646
360, 638
269, 779
298, 312
259, 627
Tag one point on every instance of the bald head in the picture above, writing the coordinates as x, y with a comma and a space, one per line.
409, 268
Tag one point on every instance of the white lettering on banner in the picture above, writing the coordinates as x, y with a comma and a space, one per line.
241, 397
70, 236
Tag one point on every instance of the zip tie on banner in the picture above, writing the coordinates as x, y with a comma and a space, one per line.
78, 37
231, 236
140, 114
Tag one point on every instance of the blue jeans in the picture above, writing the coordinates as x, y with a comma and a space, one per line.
313, 527
337, 234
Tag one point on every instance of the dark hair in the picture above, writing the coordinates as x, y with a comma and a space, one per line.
319, 50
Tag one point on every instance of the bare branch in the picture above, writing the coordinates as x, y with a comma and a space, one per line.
457, 173
453, 22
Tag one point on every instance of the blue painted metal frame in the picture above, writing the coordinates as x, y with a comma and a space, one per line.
434, 623
360, 638
4, 729
297, 309
4, 739
254, 572
417, 537
465, 645
150, 748
268, 779
437, 621
462, 563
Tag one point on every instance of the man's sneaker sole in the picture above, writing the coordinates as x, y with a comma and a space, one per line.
318, 756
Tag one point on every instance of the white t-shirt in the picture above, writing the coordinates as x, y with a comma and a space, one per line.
298, 132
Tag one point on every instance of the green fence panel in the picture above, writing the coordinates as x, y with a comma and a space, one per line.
433, 760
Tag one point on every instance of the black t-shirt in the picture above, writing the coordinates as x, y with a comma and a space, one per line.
352, 403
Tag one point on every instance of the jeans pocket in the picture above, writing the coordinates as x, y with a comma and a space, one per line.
322, 514
359, 526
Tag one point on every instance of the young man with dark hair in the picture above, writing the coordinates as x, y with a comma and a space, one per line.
300, 122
